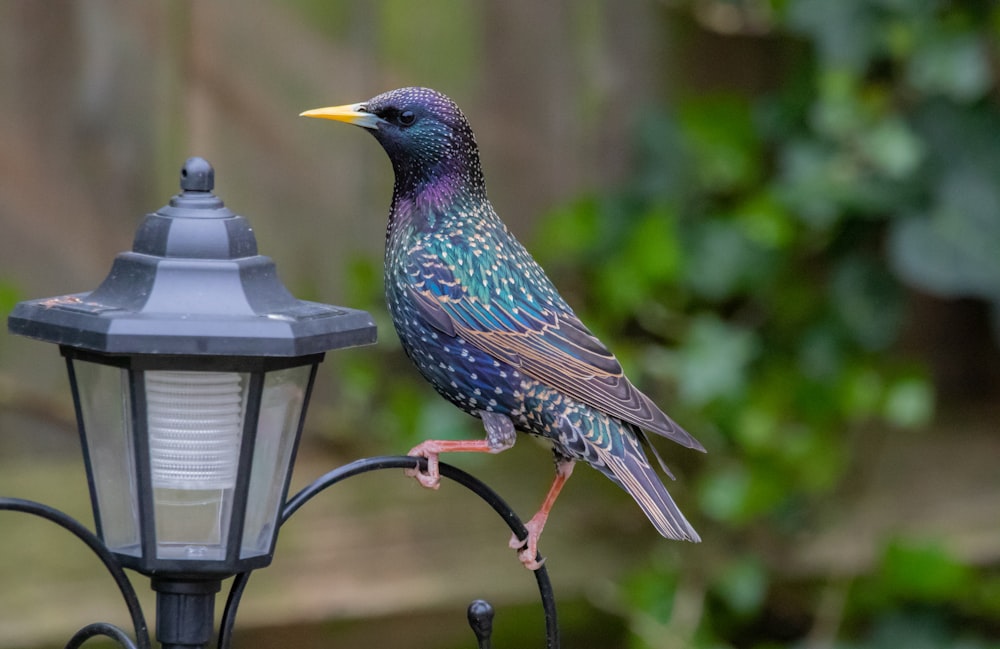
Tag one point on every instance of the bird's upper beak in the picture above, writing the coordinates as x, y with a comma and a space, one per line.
350, 113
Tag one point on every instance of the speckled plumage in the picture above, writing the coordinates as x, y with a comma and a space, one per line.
484, 324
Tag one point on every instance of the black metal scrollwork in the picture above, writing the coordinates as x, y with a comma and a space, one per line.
117, 573
480, 612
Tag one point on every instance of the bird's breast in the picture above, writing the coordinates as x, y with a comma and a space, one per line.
465, 375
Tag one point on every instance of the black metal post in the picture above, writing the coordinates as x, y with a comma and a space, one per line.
185, 612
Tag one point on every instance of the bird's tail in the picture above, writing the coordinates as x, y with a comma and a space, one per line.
631, 470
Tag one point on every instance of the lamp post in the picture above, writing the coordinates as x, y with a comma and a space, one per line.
191, 367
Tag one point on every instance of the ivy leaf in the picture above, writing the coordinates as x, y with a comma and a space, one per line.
722, 260
953, 65
868, 302
953, 250
844, 32
720, 133
714, 361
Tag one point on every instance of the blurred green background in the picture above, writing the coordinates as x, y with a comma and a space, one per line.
783, 216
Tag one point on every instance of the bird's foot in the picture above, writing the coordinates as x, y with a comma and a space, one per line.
431, 479
434, 447
527, 548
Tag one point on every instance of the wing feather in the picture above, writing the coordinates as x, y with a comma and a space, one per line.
549, 344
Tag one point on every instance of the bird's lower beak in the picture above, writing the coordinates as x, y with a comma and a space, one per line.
350, 113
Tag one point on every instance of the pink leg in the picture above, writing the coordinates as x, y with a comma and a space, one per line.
430, 450
527, 549
500, 436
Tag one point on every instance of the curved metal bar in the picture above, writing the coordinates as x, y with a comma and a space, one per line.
228, 622
100, 629
366, 465
110, 563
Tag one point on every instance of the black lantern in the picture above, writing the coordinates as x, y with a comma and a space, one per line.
191, 368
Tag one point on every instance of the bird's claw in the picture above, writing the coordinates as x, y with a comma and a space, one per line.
425, 479
527, 548
431, 478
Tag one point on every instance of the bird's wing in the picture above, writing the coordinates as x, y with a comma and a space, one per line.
547, 343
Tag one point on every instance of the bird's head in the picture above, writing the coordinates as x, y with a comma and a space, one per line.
424, 133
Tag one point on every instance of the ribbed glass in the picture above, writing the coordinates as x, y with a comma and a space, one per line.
195, 422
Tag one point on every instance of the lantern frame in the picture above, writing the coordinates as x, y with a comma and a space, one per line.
236, 559
193, 295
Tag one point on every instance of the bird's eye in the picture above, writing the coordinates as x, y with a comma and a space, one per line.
407, 117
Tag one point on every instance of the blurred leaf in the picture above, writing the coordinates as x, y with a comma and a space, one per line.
739, 492
664, 166
652, 591
815, 180
569, 232
814, 460
757, 427
953, 250
821, 352
955, 65
713, 361
721, 135
923, 572
647, 259
723, 493
722, 260
947, 246
10, 295
867, 300
364, 281
912, 631
845, 32
653, 247
743, 585
892, 148
839, 111
860, 392
909, 402
765, 222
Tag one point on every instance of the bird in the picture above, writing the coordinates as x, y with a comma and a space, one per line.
487, 328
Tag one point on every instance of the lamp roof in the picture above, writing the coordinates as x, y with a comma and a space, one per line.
193, 283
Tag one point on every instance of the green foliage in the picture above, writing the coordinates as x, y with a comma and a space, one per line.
757, 265
917, 630
10, 295
920, 573
753, 275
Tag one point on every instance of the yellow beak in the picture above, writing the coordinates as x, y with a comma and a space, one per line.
350, 113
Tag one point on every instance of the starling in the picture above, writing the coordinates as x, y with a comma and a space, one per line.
486, 327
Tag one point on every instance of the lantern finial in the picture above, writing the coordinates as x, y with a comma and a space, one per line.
197, 175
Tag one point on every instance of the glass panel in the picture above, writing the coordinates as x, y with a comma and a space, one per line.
280, 412
105, 406
195, 428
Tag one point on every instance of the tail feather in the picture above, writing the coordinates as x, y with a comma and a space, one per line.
633, 473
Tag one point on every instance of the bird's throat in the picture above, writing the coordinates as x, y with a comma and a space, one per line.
427, 204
